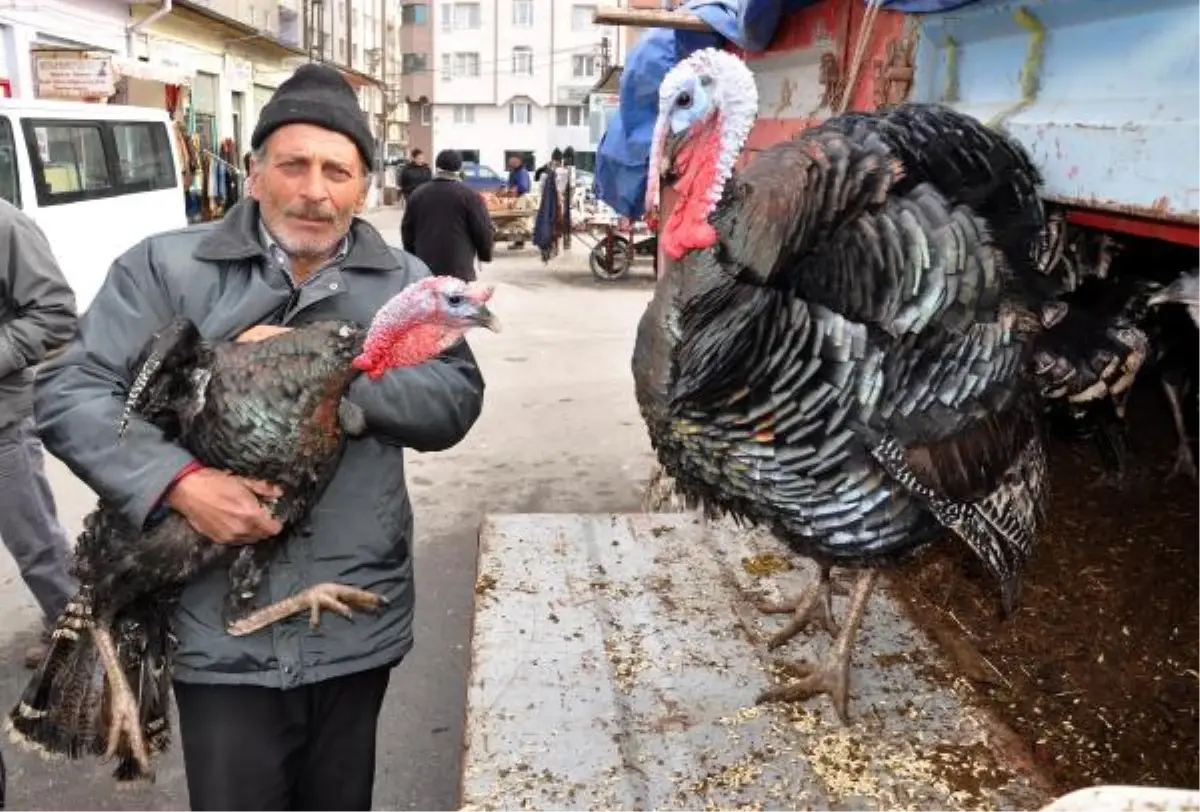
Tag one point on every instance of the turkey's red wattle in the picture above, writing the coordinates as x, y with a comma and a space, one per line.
403, 346
688, 228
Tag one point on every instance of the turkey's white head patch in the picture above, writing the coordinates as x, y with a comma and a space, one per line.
707, 105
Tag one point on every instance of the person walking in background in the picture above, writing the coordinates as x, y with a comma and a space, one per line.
446, 223
37, 316
414, 173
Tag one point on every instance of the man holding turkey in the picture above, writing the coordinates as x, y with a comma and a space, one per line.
284, 718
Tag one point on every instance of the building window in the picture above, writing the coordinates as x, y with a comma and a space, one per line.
414, 14
447, 67
144, 160
466, 64
426, 114
464, 114
581, 17
341, 50
523, 13
522, 61
460, 16
414, 63
569, 116
583, 65
520, 112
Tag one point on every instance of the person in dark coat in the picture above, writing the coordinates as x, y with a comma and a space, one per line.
446, 224
414, 173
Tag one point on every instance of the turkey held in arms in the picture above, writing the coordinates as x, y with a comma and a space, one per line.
269, 410
839, 350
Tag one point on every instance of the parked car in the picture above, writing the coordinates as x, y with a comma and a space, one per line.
482, 178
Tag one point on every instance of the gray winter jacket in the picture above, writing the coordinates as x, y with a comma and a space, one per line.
362, 527
37, 310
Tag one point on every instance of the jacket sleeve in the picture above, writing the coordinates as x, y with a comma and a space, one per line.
44, 303
408, 230
429, 407
480, 224
79, 396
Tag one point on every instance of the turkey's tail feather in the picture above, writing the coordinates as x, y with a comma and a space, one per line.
59, 712
67, 706
1000, 527
176, 345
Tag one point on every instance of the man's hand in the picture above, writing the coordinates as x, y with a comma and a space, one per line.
225, 508
261, 331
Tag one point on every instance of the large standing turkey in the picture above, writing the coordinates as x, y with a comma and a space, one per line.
840, 347
269, 410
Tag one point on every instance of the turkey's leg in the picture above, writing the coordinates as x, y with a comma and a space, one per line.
1184, 464
813, 605
330, 597
832, 675
123, 707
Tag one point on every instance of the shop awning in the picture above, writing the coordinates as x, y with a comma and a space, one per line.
124, 66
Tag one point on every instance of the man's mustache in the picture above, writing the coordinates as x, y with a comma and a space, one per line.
311, 213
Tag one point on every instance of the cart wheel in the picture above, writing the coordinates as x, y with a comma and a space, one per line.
620, 259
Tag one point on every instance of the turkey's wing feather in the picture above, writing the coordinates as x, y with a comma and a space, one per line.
161, 385
969, 163
794, 195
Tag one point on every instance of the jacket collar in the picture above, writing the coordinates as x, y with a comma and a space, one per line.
236, 237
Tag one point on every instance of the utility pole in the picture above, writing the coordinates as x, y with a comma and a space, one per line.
386, 115
604, 55
350, 8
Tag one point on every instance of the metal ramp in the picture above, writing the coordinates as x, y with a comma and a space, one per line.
610, 671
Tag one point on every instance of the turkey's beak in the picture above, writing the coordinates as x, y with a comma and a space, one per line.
671, 145
485, 318
1183, 290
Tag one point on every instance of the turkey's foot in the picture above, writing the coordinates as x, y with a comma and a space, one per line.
832, 675
125, 720
813, 605
1184, 464
329, 597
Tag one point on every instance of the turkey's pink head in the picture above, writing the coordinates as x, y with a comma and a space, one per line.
707, 105
423, 320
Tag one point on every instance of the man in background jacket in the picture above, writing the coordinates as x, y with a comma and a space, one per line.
446, 223
414, 173
37, 316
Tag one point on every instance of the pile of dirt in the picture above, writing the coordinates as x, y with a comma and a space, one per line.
1097, 668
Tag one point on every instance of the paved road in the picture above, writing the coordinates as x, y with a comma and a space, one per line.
559, 433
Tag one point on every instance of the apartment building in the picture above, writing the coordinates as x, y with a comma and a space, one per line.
496, 78
360, 36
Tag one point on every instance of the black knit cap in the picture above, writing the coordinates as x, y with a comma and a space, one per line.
449, 160
316, 94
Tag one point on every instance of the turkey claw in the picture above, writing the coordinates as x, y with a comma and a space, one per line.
810, 606
125, 724
328, 597
831, 676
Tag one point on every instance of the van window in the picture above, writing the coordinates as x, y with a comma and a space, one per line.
10, 184
87, 159
71, 159
144, 156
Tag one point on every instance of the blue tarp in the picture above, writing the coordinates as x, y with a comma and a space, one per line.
624, 150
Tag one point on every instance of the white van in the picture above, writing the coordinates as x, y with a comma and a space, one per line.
96, 178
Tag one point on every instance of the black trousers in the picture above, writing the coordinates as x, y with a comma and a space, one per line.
247, 747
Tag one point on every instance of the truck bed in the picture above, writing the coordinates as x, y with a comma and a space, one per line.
1113, 120
615, 666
